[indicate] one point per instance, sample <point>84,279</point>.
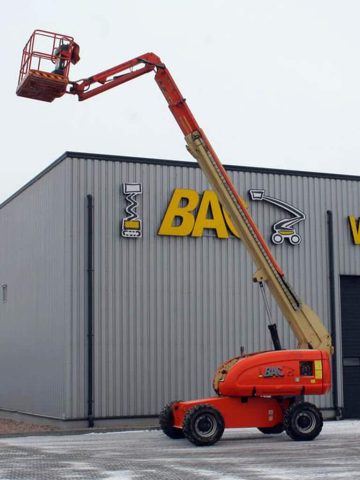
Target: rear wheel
<point>303,421</point>
<point>166,420</point>
<point>279,428</point>
<point>203,425</point>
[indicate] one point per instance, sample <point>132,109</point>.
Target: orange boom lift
<point>262,390</point>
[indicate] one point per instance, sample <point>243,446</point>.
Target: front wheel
<point>203,425</point>
<point>303,421</point>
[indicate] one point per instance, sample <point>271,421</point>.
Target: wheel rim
<point>305,422</point>
<point>295,239</point>
<point>277,238</point>
<point>205,425</point>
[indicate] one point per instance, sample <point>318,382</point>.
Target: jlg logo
<point>189,215</point>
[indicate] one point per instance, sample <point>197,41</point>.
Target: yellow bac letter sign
<point>355,229</point>
<point>189,215</point>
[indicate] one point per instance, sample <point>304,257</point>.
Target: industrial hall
<point>125,284</point>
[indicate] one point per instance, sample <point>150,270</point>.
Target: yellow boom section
<point>304,322</point>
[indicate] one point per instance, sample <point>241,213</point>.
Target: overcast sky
<point>273,83</point>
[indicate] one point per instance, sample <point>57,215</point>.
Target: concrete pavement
<point>241,455</point>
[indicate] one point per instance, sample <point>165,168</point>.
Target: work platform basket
<point>44,70</point>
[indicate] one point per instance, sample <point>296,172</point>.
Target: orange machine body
<point>237,412</point>
<point>279,372</point>
<point>257,389</point>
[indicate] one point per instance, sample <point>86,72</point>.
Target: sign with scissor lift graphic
<point>131,225</point>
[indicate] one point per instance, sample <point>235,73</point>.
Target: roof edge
<point>34,179</point>
<point>173,163</point>
<point>187,163</point>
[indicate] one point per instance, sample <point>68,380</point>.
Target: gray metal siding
<point>169,310</point>
<point>32,322</point>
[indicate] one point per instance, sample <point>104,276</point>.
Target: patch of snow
<point>80,465</point>
<point>121,475</point>
<point>202,473</point>
<point>274,473</point>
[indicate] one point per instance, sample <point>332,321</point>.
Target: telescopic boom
<point>304,322</point>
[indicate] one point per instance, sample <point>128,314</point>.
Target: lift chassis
<point>257,390</point>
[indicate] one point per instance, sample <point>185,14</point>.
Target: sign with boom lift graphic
<point>284,228</point>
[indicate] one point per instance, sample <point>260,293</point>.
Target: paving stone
<point>244,454</point>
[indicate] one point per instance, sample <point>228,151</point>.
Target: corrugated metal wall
<point>169,310</point>
<point>33,320</point>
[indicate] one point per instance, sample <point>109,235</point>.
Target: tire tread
<point>291,428</point>
<point>189,432</point>
<point>166,420</point>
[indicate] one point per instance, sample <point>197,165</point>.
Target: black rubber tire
<point>203,425</point>
<point>276,429</point>
<point>303,421</point>
<point>166,420</point>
